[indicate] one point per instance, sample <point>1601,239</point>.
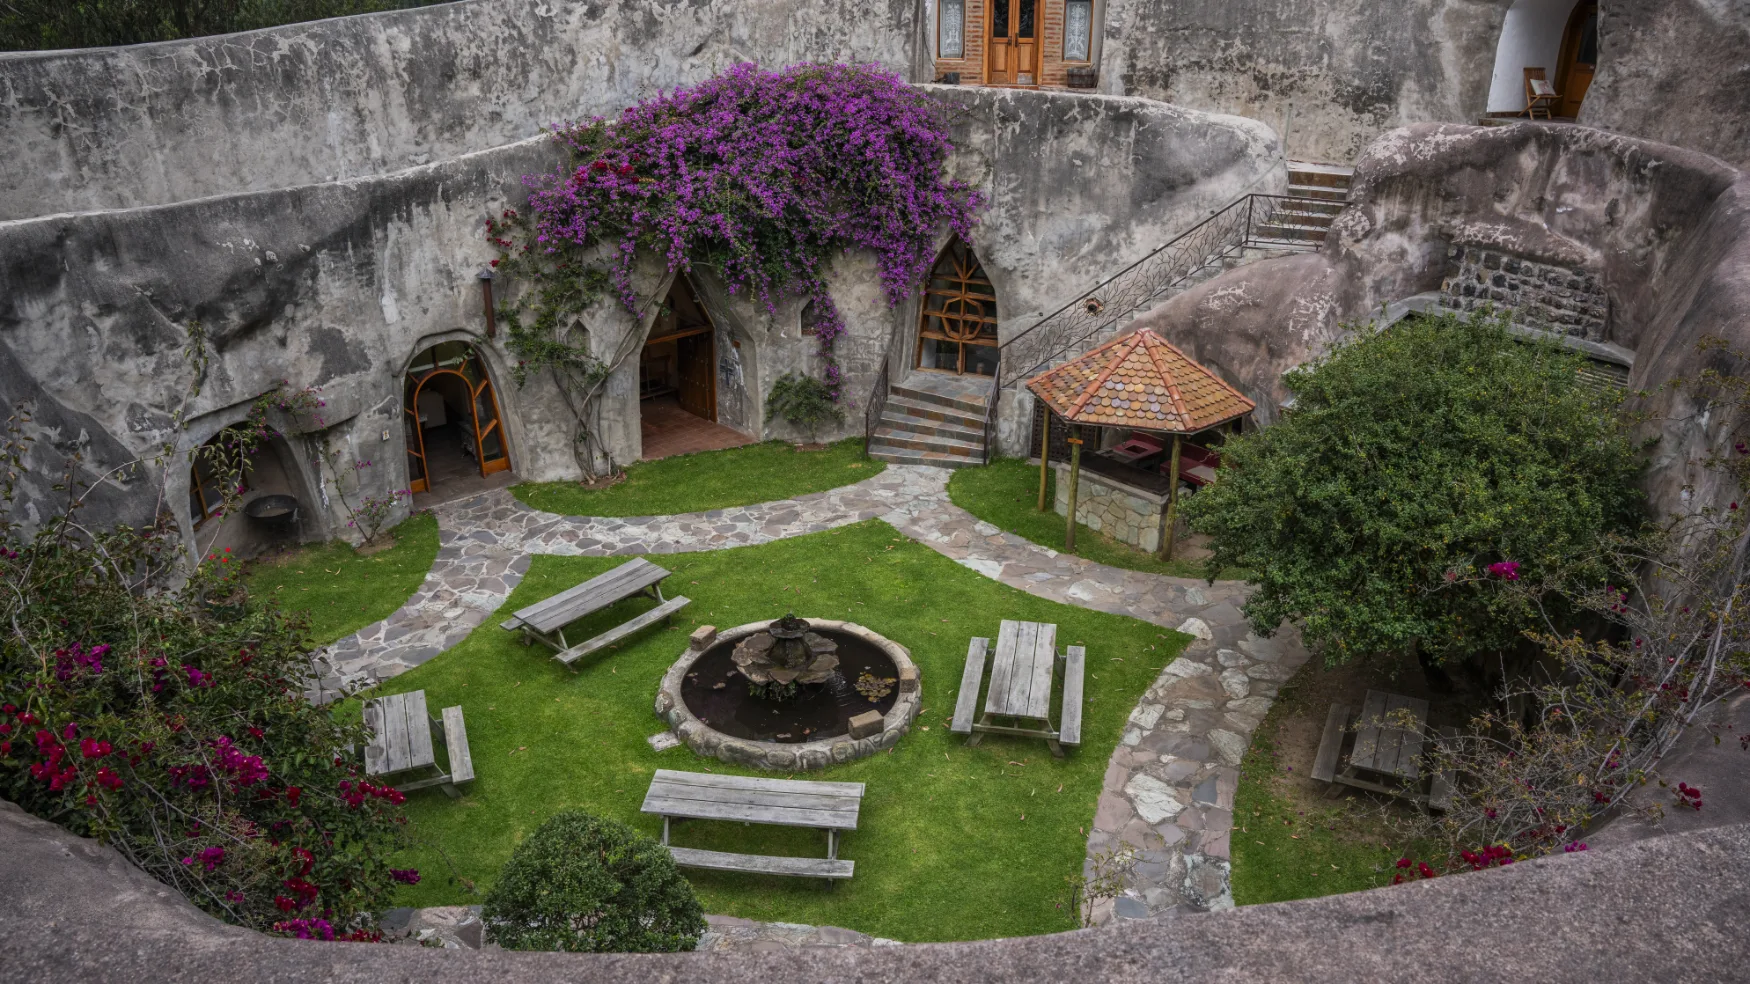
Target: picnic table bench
<point>1020,687</point>
<point>403,742</point>
<point>546,620</point>
<point>1386,749</point>
<point>828,806</point>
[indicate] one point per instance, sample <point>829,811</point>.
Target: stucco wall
<point>1531,37</point>
<point>355,96</point>
<point>1676,71</point>
<point>1351,69</point>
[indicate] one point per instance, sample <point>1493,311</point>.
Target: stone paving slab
<point>458,927</point>
<point>1168,792</point>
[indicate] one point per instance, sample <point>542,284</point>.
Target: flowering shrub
<point>186,743</point>
<point>588,885</point>
<point>803,402</point>
<point>763,176</point>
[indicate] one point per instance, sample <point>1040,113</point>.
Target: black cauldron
<point>274,513</point>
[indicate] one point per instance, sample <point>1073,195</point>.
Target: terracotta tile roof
<point>1143,382</point>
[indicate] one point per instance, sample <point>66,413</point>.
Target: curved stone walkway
<point>1169,787</point>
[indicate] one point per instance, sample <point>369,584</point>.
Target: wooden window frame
<point>961,55</point>
<point>961,276</point>
<point>1063,45</point>
<point>197,494</point>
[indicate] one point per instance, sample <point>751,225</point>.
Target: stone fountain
<point>784,657</point>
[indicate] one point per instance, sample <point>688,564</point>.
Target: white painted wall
<point>1531,36</point>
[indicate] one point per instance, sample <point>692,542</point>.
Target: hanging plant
<point>761,176</point>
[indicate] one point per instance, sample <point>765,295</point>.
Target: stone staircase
<point>933,419</point>
<point>1321,191</point>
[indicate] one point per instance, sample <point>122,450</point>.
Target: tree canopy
<point>44,25</point>
<point>1422,466</point>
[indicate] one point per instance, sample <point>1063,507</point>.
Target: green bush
<point>27,25</point>
<point>588,885</point>
<point>803,401</point>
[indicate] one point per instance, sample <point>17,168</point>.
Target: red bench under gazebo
<point>1141,383</point>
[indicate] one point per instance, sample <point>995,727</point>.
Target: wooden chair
<point>1540,95</point>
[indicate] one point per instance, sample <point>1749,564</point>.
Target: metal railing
<point>876,405</point>
<point>1095,315</point>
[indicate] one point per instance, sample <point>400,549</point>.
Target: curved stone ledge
<point>789,756</point>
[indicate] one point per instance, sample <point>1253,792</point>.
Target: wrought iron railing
<point>1095,315</point>
<point>876,405</point>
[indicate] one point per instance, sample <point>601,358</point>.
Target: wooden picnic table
<point>829,806</point>
<point>1388,733</point>
<point>1020,687</point>
<point>403,741</point>
<point>546,620</point>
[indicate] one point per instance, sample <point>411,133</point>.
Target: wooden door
<point>1579,58</point>
<point>1012,45</point>
<point>698,374</point>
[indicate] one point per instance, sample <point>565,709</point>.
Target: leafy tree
<point>42,25</point>
<point>588,885</point>
<point>130,714</point>
<point>1422,466</point>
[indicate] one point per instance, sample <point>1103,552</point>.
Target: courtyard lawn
<point>1005,493</point>
<point>954,843</point>
<point>709,480</point>
<point>341,591</point>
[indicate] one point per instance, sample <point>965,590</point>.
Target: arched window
<point>215,467</point>
<point>958,329</point>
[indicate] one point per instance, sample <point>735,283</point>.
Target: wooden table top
<point>785,802</point>
<point>1020,675</point>
<point>589,597</point>
<point>1380,745</point>
<point>403,734</point>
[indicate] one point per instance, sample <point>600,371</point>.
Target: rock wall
<point>357,96</point>
<point>1344,70</point>
<point>1675,71</point>
<point>1564,300</point>
<point>1665,232</point>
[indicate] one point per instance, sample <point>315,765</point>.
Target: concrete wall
<point>357,96</point>
<point>1350,69</point>
<point>1665,231</point>
<point>1676,71</point>
<point>1531,37</point>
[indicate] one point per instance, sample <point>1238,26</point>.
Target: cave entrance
<point>677,380</point>
<point>1557,38</point>
<point>455,437</point>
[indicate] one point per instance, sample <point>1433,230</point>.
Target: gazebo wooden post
<point>1170,520</point>
<point>1044,454</point>
<point>1075,478</point>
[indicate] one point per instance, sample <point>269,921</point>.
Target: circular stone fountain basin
<point>707,703</point>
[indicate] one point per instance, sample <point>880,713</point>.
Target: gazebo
<point>1141,383</point>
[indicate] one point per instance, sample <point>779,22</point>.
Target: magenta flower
<point>1506,570</point>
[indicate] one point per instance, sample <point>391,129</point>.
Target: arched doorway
<point>957,328</point>
<point>677,379</point>
<point>451,415</point>
<point>1579,57</point>
<point>1558,37</point>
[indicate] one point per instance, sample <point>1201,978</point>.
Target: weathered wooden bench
<point>828,806</point>
<point>546,620</point>
<point>1384,757</point>
<point>1020,687</point>
<point>403,742</point>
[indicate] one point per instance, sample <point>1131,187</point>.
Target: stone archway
<point>451,420</point>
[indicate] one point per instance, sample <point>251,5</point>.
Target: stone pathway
<point>1168,791</point>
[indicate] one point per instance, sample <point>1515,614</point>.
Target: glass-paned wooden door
<point>1012,51</point>
<point>958,329</point>
<point>456,361</point>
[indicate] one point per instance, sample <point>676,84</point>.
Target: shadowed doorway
<point>677,380</point>
<point>455,437</point>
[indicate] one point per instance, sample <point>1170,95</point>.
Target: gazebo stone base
<point>1126,514</point>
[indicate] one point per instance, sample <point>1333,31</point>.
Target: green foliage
<point>804,402</point>
<point>43,25</point>
<point>1415,457</point>
<point>183,741</point>
<point>587,885</point>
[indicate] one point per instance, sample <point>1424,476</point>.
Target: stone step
<point>906,440</point>
<point>1318,191</point>
<point>1310,173</point>
<point>900,456</point>
<point>1293,232</point>
<point>1312,206</point>
<point>932,413</point>
<point>919,395</point>
<point>929,428</point>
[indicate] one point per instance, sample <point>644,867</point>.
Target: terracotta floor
<point>669,430</point>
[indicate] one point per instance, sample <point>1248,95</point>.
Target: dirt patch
<point>377,546</point>
<point>811,447</point>
<point>605,482</point>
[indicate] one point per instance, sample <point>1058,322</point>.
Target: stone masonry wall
<point>1125,516</point>
<point>1554,297</point>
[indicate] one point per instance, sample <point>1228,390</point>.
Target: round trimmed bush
<point>588,885</point>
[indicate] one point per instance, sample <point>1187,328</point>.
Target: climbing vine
<point>760,176</point>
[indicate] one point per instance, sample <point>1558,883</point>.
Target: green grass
<point>709,480</point>
<point>342,591</point>
<point>1288,846</point>
<point>953,842</point>
<point>1005,493</point>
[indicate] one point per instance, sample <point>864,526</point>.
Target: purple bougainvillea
<point>763,176</point>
